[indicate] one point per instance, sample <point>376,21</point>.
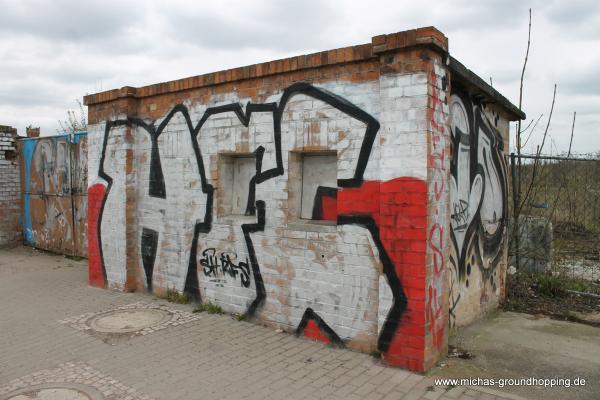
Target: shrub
<point>550,286</point>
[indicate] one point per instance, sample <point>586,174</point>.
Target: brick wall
<point>369,270</point>
<point>10,188</point>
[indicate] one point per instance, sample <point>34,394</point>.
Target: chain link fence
<point>556,215</point>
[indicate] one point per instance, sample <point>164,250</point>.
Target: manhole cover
<point>52,394</point>
<point>126,321</point>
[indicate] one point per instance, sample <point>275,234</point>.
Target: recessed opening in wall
<point>318,191</point>
<point>236,184</point>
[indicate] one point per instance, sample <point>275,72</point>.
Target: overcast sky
<point>53,52</point>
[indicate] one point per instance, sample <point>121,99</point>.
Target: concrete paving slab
<point>511,345</point>
<point>205,357</point>
<point>68,381</point>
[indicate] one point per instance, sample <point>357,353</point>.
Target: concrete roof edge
<point>471,79</point>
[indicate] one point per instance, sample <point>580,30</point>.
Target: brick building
<point>10,193</point>
<point>357,196</point>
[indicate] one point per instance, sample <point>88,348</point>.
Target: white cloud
<point>55,52</point>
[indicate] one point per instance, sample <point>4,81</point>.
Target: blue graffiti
<point>29,146</point>
<point>78,135</point>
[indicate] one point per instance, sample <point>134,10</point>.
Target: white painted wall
<point>335,270</point>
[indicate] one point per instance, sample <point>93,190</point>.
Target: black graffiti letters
<point>226,265</point>
<point>149,243</point>
<point>478,195</point>
<point>222,265</point>
<point>478,178</point>
<point>460,214</point>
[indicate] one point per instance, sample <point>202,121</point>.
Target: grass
<point>556,286</point>
<point>549,285</point>
<point>582,285</point>
<point>209,308</point>
<point>173,296</point>
<point>550,295</point>
<point>240,317</point>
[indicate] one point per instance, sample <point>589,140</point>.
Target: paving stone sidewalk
<point>44,299</point>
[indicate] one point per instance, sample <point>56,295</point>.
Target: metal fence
<point>557,202</point>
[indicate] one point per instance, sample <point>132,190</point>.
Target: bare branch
<point>572,131</point>
<point>537,159</point>
<point>548,124</point>
<point>517,185</point>
<point>521,84</point>
<point>564,181</point>
<point>527,127</point>
<point>74,122</point>
<point>532,130</point>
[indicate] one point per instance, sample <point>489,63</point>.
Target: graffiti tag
<point>460,216</point>
<point>222,265</point>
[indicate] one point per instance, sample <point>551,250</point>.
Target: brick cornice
<point>428,36</point>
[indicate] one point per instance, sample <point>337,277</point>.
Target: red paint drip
<point>96,195</point>
<point>313,331</point>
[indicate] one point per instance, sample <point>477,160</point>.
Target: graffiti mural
<point>54,184</point>
<point>478,203</point>
<point>254,265</point>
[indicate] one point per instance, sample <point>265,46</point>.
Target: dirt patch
<point>552,296</point>
<point>457,352</point>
